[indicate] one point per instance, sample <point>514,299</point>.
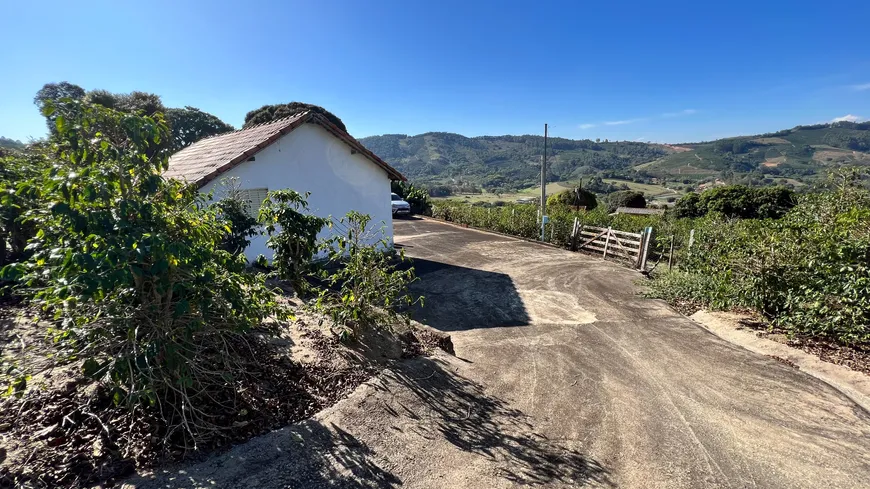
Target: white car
<point>400,207</point>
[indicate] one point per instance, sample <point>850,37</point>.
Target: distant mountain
<point>803,151</point>
<point>10,143</point>
<point>513,162</point>
<point>504,161</point>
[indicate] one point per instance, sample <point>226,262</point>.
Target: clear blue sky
<point>620,70</point>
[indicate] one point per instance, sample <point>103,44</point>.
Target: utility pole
<point>544,188</point>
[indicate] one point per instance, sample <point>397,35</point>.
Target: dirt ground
<point>563,377</point>
<point>63,432</point>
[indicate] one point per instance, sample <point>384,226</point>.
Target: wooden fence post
<point>671,254</point>
<point>691,238</point>
<point>640,249</point>
<point>607,242</point>
<point>649,235</point>
<point>574,232</point>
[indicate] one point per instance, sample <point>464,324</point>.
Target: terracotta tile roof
<point>205,160</point>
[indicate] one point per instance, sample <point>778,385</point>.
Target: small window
<point>254,197</point>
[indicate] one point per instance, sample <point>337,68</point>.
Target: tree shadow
<point>309,454</point>
<point>422,396</point>
<point>458,409</point>
<point>460,298</point>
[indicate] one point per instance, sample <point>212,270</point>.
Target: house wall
<point>310,159</point>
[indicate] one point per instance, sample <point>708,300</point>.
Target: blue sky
<point>658,71</point>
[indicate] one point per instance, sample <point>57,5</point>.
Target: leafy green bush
<point>129,269</point>
<point>367,287</point>
<point>737,201</point>
<point>625,198</point>
<point>417,197</point>
<point>235,213</point>
<point>15,169</point>
<point>292,234</point>
<point>808,272</point>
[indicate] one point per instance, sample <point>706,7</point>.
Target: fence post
<point>640,249</point>
<point>671,254</point>
<point>691,238</point>
<point>649,235</point>
<point>574,232</point>
<point>607,242</point>
<point>552,231</point>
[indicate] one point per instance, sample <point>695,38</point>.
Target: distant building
<point>640,211</point>
<point>304,152</point>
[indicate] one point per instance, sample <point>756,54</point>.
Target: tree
<point>625,198</point>
<point>269,113</point>
<point>53,93</point>
<point>127,266</point>
<point>147,103</point>
<point>577,197</point>
<point>688,206</point>
<point>190,124</point>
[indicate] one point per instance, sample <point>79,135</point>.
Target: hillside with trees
<point>502,164</point>
<point>10,143</point>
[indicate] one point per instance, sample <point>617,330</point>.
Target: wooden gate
<point>632,248</point>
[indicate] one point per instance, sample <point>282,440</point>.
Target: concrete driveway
<point>564,377</point>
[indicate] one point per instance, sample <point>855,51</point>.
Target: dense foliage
<point>367,285</point>
<point>625,198</point>
<point>187,125</point>
<point>808,272</point>
<point>235,213</point>
<point>269,113</point>
<point>737,201</point>
<point>128,267</point>
<point>292,234</point>
<point>577,197</point>
<point>416,196</point>
<point>17,168</point>
<point>190,124</point>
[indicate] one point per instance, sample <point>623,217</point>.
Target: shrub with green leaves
<point>235,212</point>
<point>808,272</point>
<point>366,289</point>
<point>417,197</point>
<point>17,167</point>
<point>129,269</point>
<point>292,234</point>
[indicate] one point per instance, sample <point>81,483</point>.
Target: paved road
<point>564,376</point>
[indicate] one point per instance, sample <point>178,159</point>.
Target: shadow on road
<point>458,410</point>
<point>444,411</point>
<point>460,298</point>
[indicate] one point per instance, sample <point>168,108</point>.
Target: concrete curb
<point>852,384</point>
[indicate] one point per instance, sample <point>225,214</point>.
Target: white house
<point>304,152</point>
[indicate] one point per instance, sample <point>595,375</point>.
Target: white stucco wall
<point>310,159</point>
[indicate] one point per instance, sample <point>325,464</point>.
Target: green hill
<point>504,162</point>
<point>509,163</point>
<point>801,152</point>
<point>10,143</point>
